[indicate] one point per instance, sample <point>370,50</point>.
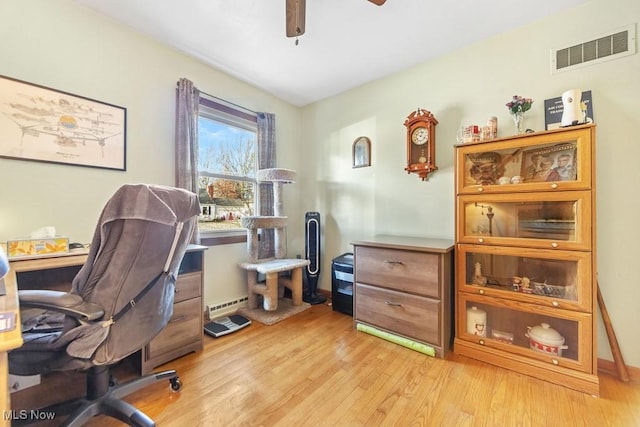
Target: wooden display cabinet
<point>525,254</point>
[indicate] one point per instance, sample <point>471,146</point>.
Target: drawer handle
<point>554,245</point>
<point>481,342</point>
<point>554,185</point>
<point>393,262</point>
<point>555,304</point>
<point>480,189</point>
<point>394,304</point>
<point>480,240</point>
<point>178,319</point>
<point>555,361</point>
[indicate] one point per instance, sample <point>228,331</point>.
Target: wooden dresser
<point>184,332</point>
<point>403,285</point>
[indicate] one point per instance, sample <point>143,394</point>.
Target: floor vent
<point>614,45</point>
<point>220,309</point>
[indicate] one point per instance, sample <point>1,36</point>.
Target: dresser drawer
<point>183,329</point>
<point>406,271</point>
<point>188,286</point>
<point>411,315</point>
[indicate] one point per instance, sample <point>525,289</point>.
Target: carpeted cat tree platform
<point>272,290</point>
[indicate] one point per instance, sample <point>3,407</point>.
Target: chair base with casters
<point>103,397</point>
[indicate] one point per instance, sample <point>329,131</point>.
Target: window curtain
<point>186,168</point>
<point>266,159</point>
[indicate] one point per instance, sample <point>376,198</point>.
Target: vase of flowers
<point>517,107</point>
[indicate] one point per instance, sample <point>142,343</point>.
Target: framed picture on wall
<point>361,151</point>
<point>46,125</point>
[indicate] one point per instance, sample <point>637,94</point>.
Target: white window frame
<point>232,115</point>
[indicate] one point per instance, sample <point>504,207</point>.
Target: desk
<point>8,341</point>
<point>9,303</point>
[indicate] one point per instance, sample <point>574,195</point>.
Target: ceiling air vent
<point>615,45</point>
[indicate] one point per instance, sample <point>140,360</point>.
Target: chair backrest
<point>4,263</point>
<point>143,230</point>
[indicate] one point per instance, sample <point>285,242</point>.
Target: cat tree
<point>273,288</point>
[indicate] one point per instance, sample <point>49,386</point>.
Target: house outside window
<point>227,138</point>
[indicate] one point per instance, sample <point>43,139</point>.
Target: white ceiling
<point>347,42</point>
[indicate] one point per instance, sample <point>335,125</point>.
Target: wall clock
<point>421,143</point>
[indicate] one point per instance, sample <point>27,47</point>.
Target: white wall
<point>465,87</point>
<point>64,46</point>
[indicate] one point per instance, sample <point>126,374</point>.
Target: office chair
<point>4,263</point>
<point>120,299</point>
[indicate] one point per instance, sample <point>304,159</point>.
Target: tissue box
<point>30,247</point>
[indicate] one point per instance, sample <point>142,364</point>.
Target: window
<point>227,165</point>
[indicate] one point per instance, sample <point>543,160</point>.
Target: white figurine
<point>478,278</point>
<point>572,109</point>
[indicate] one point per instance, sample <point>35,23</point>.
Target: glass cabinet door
<point>541,220</point>
<point>550,161</point>
<point>551,335</point>
<point>553,278</point>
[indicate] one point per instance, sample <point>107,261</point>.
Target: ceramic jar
<point>545,339</point>
<point>476,322</point>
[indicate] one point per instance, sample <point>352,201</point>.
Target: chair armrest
<point>62,302</point>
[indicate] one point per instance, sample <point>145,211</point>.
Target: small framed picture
<point>553,163</point>
<point>361,151</point>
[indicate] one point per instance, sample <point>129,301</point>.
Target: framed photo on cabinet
<point>554,163</point>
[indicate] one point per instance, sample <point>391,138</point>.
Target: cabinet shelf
<point>541,220</point>
<point>506,319</point>
<point>555,278</point>
<point>516,164</point>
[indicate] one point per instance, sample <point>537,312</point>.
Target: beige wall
<point>63,46</point>
<point>465,87</point>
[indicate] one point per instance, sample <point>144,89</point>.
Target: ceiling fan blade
<point>378,2</point>
<point>295,17</point>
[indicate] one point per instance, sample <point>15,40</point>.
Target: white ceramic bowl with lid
<point>545,339</point>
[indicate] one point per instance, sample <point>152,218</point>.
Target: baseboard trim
<point>609,367</point>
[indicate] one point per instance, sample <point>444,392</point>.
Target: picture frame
<point>361,152</point>
<point>553,110</point>
<point>552,163</point>
<point>42,124</point>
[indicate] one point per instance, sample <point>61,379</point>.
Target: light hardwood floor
<point>315,370</point>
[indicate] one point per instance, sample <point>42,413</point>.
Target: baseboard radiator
<point>223,308</point>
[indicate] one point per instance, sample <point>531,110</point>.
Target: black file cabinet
<point>342,283</point>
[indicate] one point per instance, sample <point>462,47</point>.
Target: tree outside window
<point>227,164</point>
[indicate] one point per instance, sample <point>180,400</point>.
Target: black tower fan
<point>312,253</point>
